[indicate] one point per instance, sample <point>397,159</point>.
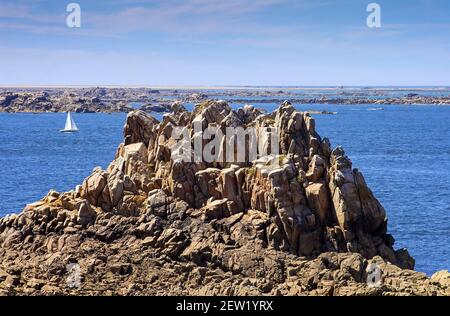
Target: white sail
<point>70,124</point>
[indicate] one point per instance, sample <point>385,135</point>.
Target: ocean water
<point>36,157</point>
<point>403,152</point>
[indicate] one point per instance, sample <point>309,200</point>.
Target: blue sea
<point>403,151</point>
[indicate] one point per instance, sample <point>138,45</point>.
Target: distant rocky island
<point>151,224</point>
<point>107,100</point>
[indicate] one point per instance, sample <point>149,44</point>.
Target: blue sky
<point>225,42</point>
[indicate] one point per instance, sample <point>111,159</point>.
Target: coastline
<point>108,100</point>
<point>223,87</point>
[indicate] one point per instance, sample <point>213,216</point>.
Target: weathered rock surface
<point>36,102</point>
<point>300,221</point>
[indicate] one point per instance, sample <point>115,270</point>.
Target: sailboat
<point>70,125</point>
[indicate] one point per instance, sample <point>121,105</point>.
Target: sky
<point>225,42</point>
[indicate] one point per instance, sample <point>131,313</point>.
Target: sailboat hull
<point>69,131</point>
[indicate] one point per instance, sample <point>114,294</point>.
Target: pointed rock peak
<point>177,107</point>
<point>286,106</point>
<point>211,105</point>
<point>139,127</point>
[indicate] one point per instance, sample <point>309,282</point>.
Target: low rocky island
<point>107,100</point>
<point>151,224</point>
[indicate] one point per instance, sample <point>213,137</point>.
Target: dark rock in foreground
<point>153,225</point>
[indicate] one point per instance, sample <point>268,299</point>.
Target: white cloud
<point>11,10</point>
<point>183,17</point>
<point>169,16</point>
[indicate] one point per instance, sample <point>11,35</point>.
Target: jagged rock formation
<point>293,222</point>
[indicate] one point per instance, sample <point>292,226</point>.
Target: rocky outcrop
<point>294,221</point>
<point>195,97</point>
<point>411,99</point>
<point>37,102</point>
<point>107,100</point>
<point>167,107</point>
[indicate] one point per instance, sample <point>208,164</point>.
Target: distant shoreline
<point>229,87</point>
<point>102,99</point>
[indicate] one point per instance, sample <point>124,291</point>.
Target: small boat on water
<point>70,125</point>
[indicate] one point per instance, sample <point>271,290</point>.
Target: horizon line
<point>220,87</point>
